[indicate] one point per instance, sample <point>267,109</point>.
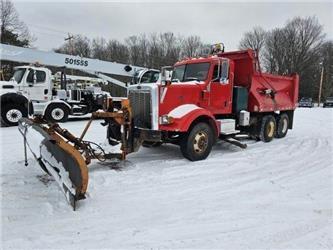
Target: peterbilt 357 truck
<point>217,97</point>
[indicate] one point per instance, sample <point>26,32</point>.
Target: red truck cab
<point>217,97</point>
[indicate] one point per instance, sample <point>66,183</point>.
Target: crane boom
<point>26,55</point>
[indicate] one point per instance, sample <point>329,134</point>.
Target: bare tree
<point>153,50</point>
<point>296,48</point>
<point>191,46</point>
<point>13,31</point>
<point>132,43</point>
<point>98,49</point>
<point>117,51</point>
<point>254,39</point>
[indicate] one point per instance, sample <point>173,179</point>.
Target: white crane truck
<point>32,90</point>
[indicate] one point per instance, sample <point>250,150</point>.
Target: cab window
<point>40,76</point>
<point>18,74</point>
<point>150,77</point>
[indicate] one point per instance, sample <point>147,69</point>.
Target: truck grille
<point>140,101</point>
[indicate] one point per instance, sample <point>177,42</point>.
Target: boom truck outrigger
<point>206,99</point>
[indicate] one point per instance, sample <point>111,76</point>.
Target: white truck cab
<point>31,90</point>
<point>27,83</point>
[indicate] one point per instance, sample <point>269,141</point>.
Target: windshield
<point>18,74</point>
<point>306,99</point>
<point>190,72</point>
<point>329,99</point>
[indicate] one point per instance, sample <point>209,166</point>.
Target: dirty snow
<point>268,196</point>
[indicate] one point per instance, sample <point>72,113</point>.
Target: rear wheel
<point>197,144</point>
<point>267,128</point>
<point>57,113</point>
<point>282,123</point>
<point>11,114</point>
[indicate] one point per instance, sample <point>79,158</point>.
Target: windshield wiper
<point>192,79</point>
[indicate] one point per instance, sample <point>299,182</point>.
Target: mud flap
<point>57,158</point>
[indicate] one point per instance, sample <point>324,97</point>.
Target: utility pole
<point>321,82</point>
<point>69,38</point>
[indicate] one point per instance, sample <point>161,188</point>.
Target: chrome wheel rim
<point>57,114</point>
<point>270,129</point>
<point>14,115</point>
<point>200,142</point>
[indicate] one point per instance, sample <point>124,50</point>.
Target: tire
<point>282,123</point>
<point>267,128</point>
<point>11,114</point>
<point>197,143</point>
<point>56,112</point>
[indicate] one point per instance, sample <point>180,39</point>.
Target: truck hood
<point>2,83</point>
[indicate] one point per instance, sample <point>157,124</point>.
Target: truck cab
<point>217,97</point>
<point>204,82</point>
<point>34,82</point>
<point>27,83</point>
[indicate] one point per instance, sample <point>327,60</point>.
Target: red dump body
<point>247,74</point>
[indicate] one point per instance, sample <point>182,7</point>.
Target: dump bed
<point>266,92</point>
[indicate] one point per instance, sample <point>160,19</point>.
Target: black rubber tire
<point>282,123</point>
<point>6,108</point>
<point>267,128</point>
<point>48,113</point>
<point>187,143</point>
<point>149,144</point>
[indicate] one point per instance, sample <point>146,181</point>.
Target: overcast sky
<point>213,22</point>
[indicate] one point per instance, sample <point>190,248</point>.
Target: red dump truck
<point>218,97</point>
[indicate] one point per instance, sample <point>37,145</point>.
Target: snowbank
<point>275,195</point>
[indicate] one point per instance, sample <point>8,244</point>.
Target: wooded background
<point>299,46</point>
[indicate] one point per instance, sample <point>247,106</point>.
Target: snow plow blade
<point>66,157</point>
<point>57,158</point>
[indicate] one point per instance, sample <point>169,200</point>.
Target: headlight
<point>165,119</point>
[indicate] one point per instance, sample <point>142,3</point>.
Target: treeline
<point>146,50</point>
<point>299,46</point>
<point>12,30</point>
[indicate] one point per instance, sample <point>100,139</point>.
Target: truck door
<point>221,88</point>
<point>38,85</point>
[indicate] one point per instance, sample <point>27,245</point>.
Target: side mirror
<point>166,73</point>
<point>224,72</point>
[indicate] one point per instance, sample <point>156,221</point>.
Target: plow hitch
<point>66,157</point>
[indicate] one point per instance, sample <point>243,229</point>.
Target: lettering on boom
<point>78,62</point>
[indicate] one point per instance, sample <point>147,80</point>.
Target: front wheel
<point>57,113</point>
<point>11,114</point>
<point>197,143</point>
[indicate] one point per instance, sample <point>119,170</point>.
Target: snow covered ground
<point>268,196</point>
